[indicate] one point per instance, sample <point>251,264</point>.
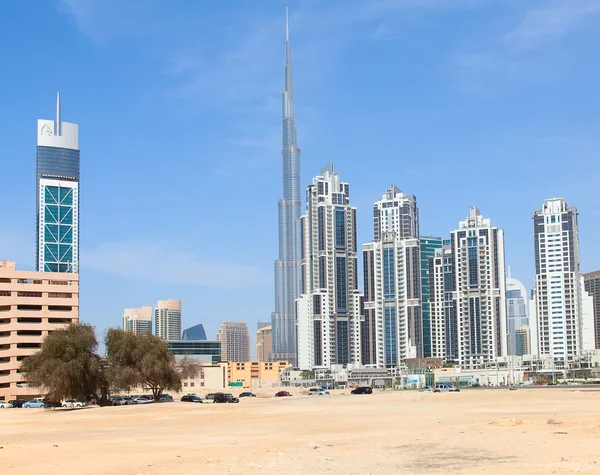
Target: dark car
<point>191,398</point>
<point>52,404</point>
<point>362,390</point>
<point>247,395</point>
<point>17,402</point>
<point>224,398</point>
<point>282,394</point>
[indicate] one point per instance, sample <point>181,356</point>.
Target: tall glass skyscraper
<point>288,266</point>
<point>57,192</point>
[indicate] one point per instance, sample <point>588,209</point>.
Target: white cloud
<point>163,262</point>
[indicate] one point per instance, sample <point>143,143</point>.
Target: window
<point>29,308</point>
<point>29,294</point>
<point>59,295</point>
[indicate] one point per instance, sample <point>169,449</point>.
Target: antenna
<point>287,25</point>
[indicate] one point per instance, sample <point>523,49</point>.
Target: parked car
<point>165,398</point>
<point>210,396</point>
<point>52,404</point>
<point>5,405</point>
<point>431,389</point>
<point>224,398</point>
<point>362,390</point>
<point>117,401</point>
<point>445,388</point>
<point>191,398</point>
<point>17,402</point>
<point>247,395</point>
<point>143,400</point>
<point>36,402</point>
<point>282,394</point>
<point>73,403</point>
<point>317,392</point>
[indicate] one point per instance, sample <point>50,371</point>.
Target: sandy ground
<point>532,431</point>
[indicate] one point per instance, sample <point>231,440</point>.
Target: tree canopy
<point>67,366</point>
<point>140,361</point>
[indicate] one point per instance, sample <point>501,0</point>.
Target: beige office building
<point>32,305</point>
<point>137,320</point>
<point>235,341</point>
<point>264,342</point>
<point>167,319</point>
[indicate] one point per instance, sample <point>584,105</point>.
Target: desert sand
<point>532,431</point>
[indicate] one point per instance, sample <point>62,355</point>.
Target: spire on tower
<point>57,130</point>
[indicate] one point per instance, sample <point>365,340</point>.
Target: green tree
<point>67,366</point>
<point>140,361</point>
<point>188,368</point>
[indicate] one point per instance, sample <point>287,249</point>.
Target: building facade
<point>256,374</point>
<point>137,320</point>
<point>32,305</point>
<point>264,342</point>
<point>288,266</point>
<point>522,341</point>
<point>428,246</point>
<point>475,320</point>
<point>558,292</point>
<point>167,319</point>
<point>194,333</point>
<point>393,274</point>
<point>207,351</point>
<point>235,340</point>
<point>57,195</point>
<point>592,286</point>
<point>517,307</point>
<point>330,306</point>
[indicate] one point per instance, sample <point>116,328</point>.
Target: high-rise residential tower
<point>478,290</point>
<point>235,341</point>
<point>137,320</point>
<point>517,306</point>
<point>392,329</point>
<point>288,265</point>
<point>57,192</point>
<point>558,292</point>
<point>264,342</point>
<point>167,319</point>
<point>592,286</point>
<point>330,306</point>
<point>429,245</point>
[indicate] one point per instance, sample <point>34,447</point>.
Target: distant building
<point>256,374</point>
<point>32,305</point>
<point>194,333</point>
<point>264,342</point>
<point>522,341</point>
<point>592,286</point>
<point>558,287</point>
<point>235,340</point>
<point>57,192</point>
<point>206,351</point>
<point>517,307</point>
<point>167,319</point>
<point>137,320</point>
<point>330,307</point>
<point>428,247</point>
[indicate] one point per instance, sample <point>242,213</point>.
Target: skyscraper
<point>235,341</point>
<point>592,286</point>
<point>167,319</point>
<point>330,306</point>
<point>517,307</point>
<point>287,266</point>
<point>57,195</point>
<point>195,333</point>
<point>477,286</point>
<point>392,327</point>
<point>137,320</point>
<point>558,292</point>
<point>429,245</point>
<point>264,342</point>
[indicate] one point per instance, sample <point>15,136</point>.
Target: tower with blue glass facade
<point>392,329</point>
<point>330,308</point>
<point>57,190</point>
<point>288,265</point>
<point>429,245</point>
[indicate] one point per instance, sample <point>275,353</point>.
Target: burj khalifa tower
<point>288,266</point>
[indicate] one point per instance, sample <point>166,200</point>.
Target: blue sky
<point>462,102</point>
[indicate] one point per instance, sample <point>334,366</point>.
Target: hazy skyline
<point>460,102</point>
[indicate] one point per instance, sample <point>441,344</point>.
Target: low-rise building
<point>207,351</point>
<point>32,305</point>
<point>256,374</point>
<point>210,377</point>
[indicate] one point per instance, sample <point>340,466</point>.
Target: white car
<point>317,392</point>
<point>142,400</point>
<point>72,403</point>
<point>5,405</point>
<point>446,388</point>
